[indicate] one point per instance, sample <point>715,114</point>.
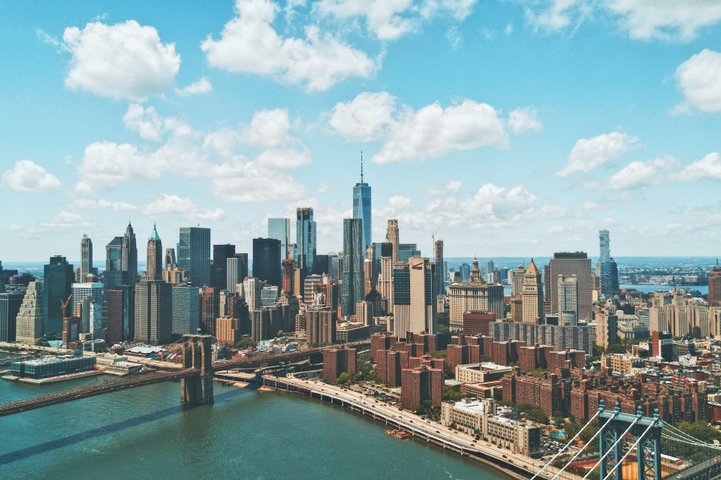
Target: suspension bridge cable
<point>612,447</point>
<point>629,451</point>
<point>567,445</point>
<point>584,447</point>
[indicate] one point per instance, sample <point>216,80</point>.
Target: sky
<point>504,127</point>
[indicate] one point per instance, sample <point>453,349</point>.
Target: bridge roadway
<point>85,391</point>
<point>513,464</point>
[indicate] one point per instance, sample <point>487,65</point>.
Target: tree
<point>246,342</point>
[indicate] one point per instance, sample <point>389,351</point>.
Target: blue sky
<point>511,128</point>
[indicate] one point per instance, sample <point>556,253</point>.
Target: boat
<point>398,433</point>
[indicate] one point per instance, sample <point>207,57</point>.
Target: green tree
<point>246,342</point>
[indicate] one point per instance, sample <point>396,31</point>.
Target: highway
<point>411,422</point>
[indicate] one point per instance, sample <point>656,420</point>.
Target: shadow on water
<point>100,431</point>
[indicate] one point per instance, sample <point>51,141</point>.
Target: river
<point>143,433</point>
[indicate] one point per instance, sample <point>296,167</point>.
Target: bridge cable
<point>629,451</point>
<point>567,445</point>
<point>584,447</point>
<point>612,447</point>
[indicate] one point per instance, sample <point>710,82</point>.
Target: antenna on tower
<point>361,167</point>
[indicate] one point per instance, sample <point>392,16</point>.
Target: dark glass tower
<point>113,274</point>
<point>86,258</point>
<point>129,257</point>
<point>305,240</point>
<point>194,254</point>
<point>221,254</point>
<point>58,279</point>
<point>266,260</point>
<point>362,206</point>
<point>352,287</point>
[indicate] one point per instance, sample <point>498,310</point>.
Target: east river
<point>248,434</point>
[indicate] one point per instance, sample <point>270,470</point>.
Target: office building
<point>119,313</point>
<point>287,271</point>
<point>155,256</point>
<point>474,295</point>
<point>89,301</point>
<point>219,267</point>
<point>153,312</point>
<point>58,278</point>
<point>279,229</point>
<point>532,296</point>
<point>392,236</point>
<point>10,302</point>
<point>440,275</point>
<point>414,308</point>
<point>714,286</point>
<point>362,207</point>
<point>305,242</point>
<point>86,258</point>
<point>266,260</point>
<point>568,298</point>
<point>569,264</point>
<point>352,286</point>
<point>186,309</point>
<point>194,254</point>
<point>606,328</point>
<point>385,278</point>
<point>29,320</point>
<point>236,271</point>
<point>209,309</point>
<point>252,288</point>
<point>129,256</point>
<point>113,274</point>
<point>606,268</point>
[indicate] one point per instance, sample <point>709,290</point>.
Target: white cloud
<point>522,120</point>
<point>454,185</point>
<point>283,158</point>
<point>28,176</point>
<point>709,167</point>
<point>391,19</point>
<point>699,79</point>
<point>667,20</point>
<point>268,128</point>
<point>366,118</point>
<point>146,122</point>
<point>174,205</point>
<point>250,44</point>
<point>105,164</point>
<point>123,61</point>
<point>641,174</point>
<point>591,153</point>
<point>251,183</point>
<point>105,204</point>
<point>202,85</point>
<point>67,220</point>
<point>554,15</point>
<point>434,131</point>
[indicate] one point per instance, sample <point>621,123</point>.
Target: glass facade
<point>362,209</point>
<point>279,228</point>
<point>305,240</point>
<point>353,256</point>
<point>52,366</point>
<point>194,254</point>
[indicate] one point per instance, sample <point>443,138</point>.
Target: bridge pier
<point>197,354</point>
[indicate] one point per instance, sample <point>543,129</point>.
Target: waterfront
<point>143,433</point>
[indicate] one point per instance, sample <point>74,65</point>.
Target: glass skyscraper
<point>305,240</point>
<point>266,260</point>
<point>58,280</point>
<point>279,228</point>
<point>353,256</point>
<point>606,267</point>
<point>362,206</point>
<point>194,254</point>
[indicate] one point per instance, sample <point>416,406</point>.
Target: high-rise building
<point>10,302</point>
<point>406,251</point>
<point>251,289</point>
<point>194,254</point>
<point>352,287</point>
<point>57,282</point>
<point>362,207</point>
<point>155,256</point>
<point>440,276</point>
<point>532,296</point>
<point>219,271</point>
<point>287,267</point>
<point>714,286</point>
<point>86,258</point>
<point>337,361</point>
<point>113,274</point>
<point>209,309</point>
<point>474,295</point>
<point>119,313</point>
<point>237,270</point>
<point>320,325</point>
<point>606,329</point>
<point>279,228</point>
<point>129,256</point>
<point>266,260</point>
<point>29,320</point>
<point>567,296</point>
<point>385,279</point>
<point>392,236</point>
<point>414,308</point>
<point>153,312</point>
<point>170,261</point>
<point>606,268</point>
<point>569,264</point>
<point>186,309</point>
<point>89,300</point>
<point>305,240</point>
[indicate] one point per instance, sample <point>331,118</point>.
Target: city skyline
<point>534,127</point>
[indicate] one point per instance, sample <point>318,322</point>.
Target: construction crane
<point>64,305</point>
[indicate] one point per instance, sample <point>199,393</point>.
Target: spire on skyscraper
<point>361,167</point>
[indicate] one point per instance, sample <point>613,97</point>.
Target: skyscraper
<point>568,264</point>
<point>414,309</point>
<point>714,286</point>
<point>251,289</point>
<point>385,279</point>
<point>120,313</point>
<point>194,254</point>
<point>532,296</point>
<point>153,312</point>
<point>352,287</point>
<point>567,296</point>
<point>219,275</point>
<point>10,302</point>
<point>129,256</point>
<point>279,228</point>
<point>305,240</point>
<point>155,256</point>
<point>440,275</point>
<point>186,309</point>
<point>237,270</point>
<point>362,206</point>
<point>607,269</point>
<point>266,260</point>
<point>392,237</point>
<point>29,323</point>
<point>57,282</point>
<point>86,258</point>
<point>113,274</point>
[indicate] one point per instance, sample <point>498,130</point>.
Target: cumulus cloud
<point>283,158</point>
<point>367,117</point>
<point>202,85</point>
<point>250,44</point>
<point>641,174</point>
<point>522,120</point>
<point>67,220</point>
<point>125,61</point>
<point>96,203</point>
<point>699,79</point>
<point>554,15</point>
<point>28,176</point>
<point>591,153</point>
<point>252,183</point>
<point>709,167</point>
<point>434,131</point>
<point>268,128</point>
<point>146,122</point>
<point>667,20</point>
<point>166,204</point>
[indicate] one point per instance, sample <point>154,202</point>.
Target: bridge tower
<point>198,355</point>
<point>646,431</point>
